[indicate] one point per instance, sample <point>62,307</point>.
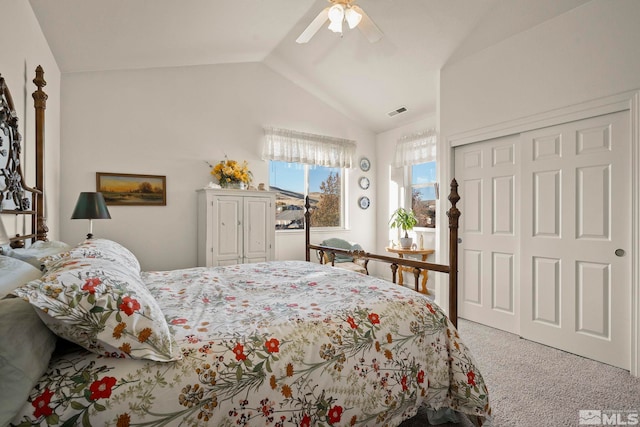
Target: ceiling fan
<point>338,12</point>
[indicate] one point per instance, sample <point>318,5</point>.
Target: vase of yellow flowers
<point>232,174</point>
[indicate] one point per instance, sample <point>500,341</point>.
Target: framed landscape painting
<point>132,189</point>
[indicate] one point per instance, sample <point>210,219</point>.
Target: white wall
<point>589,52</point>
<point>389,184</point>
<point>168,121</point>
<point>23,48</point>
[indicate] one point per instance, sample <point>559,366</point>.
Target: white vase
<point>234,185</point>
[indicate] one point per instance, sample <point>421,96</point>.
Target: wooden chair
<point>341,260</point>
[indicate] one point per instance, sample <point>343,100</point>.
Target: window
<point>294,181</point>
<point>424,191</point>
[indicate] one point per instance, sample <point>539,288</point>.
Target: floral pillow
<point>98,248</point>
<point>102,307</point>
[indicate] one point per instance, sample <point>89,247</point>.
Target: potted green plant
<point>404,220</point>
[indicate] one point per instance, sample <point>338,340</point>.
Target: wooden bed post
<point>38,221</point>
<point>307,227</point>
<point>454,214</point>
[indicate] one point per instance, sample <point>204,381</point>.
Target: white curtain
<point>416,148</point>
<point>299,147</point>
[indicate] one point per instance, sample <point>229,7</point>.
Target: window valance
<point>417,148</point>
<point>299,147</point>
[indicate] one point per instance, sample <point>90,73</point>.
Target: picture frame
<point>365,164</point>
<point>364,202</point>
<point>364,182</point>
<point>127,189</point>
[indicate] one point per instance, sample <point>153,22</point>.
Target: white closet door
<point>576,237</point>
<point>488,290</point>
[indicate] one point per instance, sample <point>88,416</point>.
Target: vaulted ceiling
<point>363,80</point>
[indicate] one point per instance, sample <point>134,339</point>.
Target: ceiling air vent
<point>397,111</point>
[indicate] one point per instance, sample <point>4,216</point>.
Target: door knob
<point>619,252</point>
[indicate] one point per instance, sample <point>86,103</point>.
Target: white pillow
<point>38,250</point>
<point>15,273</point>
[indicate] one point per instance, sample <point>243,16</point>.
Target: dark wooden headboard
<point>16,197</point>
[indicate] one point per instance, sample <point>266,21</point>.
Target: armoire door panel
<point>228,214</point>
<point>256,238</point>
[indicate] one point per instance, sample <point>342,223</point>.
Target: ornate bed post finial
<point>39,78</point>
<point>39,96</point>
<point>454,198</point>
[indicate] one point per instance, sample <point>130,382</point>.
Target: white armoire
<point>235,226</point>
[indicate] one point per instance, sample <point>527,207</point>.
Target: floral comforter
<point>272,344</point>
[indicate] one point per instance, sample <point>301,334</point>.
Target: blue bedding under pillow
<point>26,345</point>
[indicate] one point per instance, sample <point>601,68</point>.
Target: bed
<point>93,340</point>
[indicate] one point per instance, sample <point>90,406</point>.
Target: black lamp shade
<point>91,206</point>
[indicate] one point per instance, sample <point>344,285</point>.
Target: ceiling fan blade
<point>367,26</point>
<point>315,25</point>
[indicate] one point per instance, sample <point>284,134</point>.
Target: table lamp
<point>91,206</point>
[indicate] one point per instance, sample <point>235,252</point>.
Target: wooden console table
<point>424,253</point>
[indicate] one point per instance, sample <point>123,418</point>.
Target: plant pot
<point>233,185</point>
<point>406,242</point>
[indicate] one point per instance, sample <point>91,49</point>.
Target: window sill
<point>313,230</point>
<point>424,229</point>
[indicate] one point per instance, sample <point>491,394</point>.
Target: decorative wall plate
<point>364,183</point>
<point>365,164</point>
<point>364,202</point>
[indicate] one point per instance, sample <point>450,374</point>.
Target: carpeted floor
<point>534,385</point>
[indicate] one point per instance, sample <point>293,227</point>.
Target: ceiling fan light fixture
<point>353,18</point>
<point>335,26</point>
<point>336,16</point>
<point>338,12</point>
